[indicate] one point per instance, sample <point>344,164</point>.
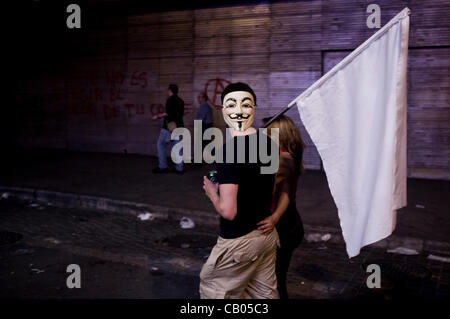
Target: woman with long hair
<point>285,216</point>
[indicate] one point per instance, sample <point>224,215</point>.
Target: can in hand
<point>212,176</point>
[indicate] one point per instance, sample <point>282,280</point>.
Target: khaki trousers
<point>242,267</point>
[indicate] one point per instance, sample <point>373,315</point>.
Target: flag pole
<point>287,108</point>
<point>403,14</point>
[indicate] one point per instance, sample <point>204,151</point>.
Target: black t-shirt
<point>254,195</point>
<point>174,110</point>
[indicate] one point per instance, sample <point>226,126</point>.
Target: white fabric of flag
<point>356,117</point>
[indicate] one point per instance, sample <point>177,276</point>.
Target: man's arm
<point>223,197</point>
<point>159,115</point>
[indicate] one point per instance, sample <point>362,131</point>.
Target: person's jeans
<point>163,140</point>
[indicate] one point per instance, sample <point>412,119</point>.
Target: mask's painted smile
<point>239,116</point>
<point>239,119</point>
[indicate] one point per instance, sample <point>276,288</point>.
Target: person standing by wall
<point>285,216</point>
<point>172,118</point>
<point>204,114</point>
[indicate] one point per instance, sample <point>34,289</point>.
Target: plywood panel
<point>248,27</point>
<point>148,18</point>
<point>288,8</point>
<point>429,138</point>
<point>179,65</point>
<point>213,65</point>
<point>282,97</point>
<point>297,61</point>
<point>143,50</point>
<point>175,31</point>
<point>251,63</point>
<point>176,16</point>
<point>259,82</point>
<point>214,46</point>
<point>247,45</point>
<point>232,12</point>
<point>293,80</point>
<point>117,71</point>
<point>179,48</point>
<point>143,33</point>
<point>213,28</point>
<point>288,42</point>
<point>344,24</point>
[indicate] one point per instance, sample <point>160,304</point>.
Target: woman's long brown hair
<point>290,139</point>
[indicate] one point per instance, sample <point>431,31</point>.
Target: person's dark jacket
<point>174,110</point>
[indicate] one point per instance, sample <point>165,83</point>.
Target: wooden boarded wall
<point>116,72</point>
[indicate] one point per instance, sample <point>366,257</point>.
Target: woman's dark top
<point>290,226</point>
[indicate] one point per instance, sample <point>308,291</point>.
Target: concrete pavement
<point>119,183</point>
<point>121,256</point>
<point>128,179</point>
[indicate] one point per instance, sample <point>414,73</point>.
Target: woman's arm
<point>267,224</point>
<point>223,197</point>
<point>283,203</point>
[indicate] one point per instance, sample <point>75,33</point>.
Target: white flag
<point>356,117</point>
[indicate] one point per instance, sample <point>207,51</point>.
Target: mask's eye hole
<point>247,105</point>
<point>230,105</point>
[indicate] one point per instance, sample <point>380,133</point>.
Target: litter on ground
<point>5,196</point>
<point>439,258</point>
<point>316,237</point>
<point>36,270</point>
<point>146,216</point>
<point>403,251</point>
<point>186,223</point>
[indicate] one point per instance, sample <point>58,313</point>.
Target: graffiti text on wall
<point>112,100</point>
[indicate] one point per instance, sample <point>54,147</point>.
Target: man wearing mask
<point>172,118</point>
<point>242,263</point>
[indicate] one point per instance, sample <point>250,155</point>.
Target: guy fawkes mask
<point>238,110</point>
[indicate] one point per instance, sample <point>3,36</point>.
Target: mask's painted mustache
<point>239,116</point>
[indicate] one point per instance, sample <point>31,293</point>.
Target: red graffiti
<point>115,94</point>
<point>219,85</point>
<point>115,77</point>
<point>139,79</point>
<point>83,101</point>
<point>111,112</point>
<point>135,109</point>
<point>156,108</point>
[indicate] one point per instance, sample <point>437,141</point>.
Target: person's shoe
<point>158,170</point>
<point>179,172</point>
